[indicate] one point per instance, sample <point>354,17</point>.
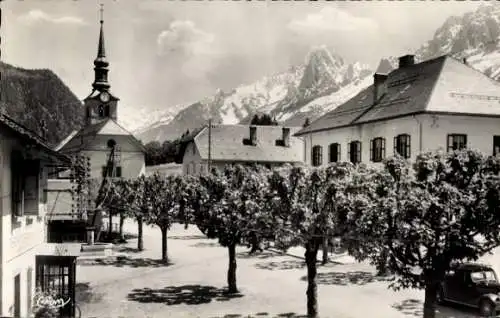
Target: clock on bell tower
<point>101,104</point>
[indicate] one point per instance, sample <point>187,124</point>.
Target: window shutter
<point>408,146</point>
<point>395,145</point>
<point>338,152</point>
<point>320,159</point>
<point>359,151</point>
<point>465,141</point>
<point>383,149</point>
<point>449,144</point>
<point>349,145</point>
<point>372,148</point>
<point>118,172</point>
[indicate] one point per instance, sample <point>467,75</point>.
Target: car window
<point>487,275</point>
<point>477,276</point>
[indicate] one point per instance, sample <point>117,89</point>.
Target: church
<point>102,132</point>
<point>112,152</point>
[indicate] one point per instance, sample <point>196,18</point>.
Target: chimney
<point>253,135</point>
<point>406,60</point>
<point>379,86</point>
<point>286,137</point>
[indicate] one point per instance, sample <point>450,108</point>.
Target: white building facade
<point>24,165</point>
<point>441,104</point>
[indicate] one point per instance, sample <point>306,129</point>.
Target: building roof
<point>440,85</point>
<point>31,138</point>
<point>227,144</point>
<point>79,140</point>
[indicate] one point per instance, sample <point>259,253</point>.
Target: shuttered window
<point>402,145</point>
<point>317,156</point>
<point>334,152</point>
<point>377,149</point>
<point>354,151</point>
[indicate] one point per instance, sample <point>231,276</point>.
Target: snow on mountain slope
<point>281,95</point>
<point>473,37</point>
<point>325,80</point>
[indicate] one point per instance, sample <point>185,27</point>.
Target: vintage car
<point>473,285</point>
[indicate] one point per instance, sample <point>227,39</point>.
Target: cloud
<point>194,49</point>
<point>332,19</point>
<point>36,16</point>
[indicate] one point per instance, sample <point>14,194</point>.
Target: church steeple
<point>100,63</point>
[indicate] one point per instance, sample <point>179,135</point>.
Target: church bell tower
<point>100,105</point>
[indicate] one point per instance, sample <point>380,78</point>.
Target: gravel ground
<point>271,285</point>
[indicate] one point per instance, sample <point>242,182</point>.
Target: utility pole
<point>210,145</point>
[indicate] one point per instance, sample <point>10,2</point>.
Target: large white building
<point>438,104</point>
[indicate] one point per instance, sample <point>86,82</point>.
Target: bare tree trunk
<point>122,221</point>
<point>311,255</point>
<point>431,289</point>
<point>231,272</point>
<point>110,229</point>
<point>140,243</point>
<point>325,250</point>
<point>164,254</point>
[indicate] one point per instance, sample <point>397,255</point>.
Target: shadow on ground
<point>122,261</point>
<point>347,278</point>
<point>126,249</point>
<point>281,265</point>
<point>187,237</point>
<point>206,244</point>
<point>84,294</point>
<point>259,255</point>
<point>177,295</point>
<point>263,315</point>
<point>415,308</point>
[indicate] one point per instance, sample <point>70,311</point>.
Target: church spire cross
<point>100,63</point>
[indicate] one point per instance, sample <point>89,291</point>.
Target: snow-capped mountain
<point>325,81</point>
<point>473,37</point>
<point>286,96</point>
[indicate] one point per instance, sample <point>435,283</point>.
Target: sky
<point>164,53</point>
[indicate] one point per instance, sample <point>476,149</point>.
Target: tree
<point>304,204</point>
<point>163,196</point>
<point>116,203</point>
<point>137,203</point>
<point>264,120</point>
<point>423,218</point>
<point>154,152</point>
<point>223,205</point>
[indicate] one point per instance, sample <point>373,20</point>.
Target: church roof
<point>440,85</point>
<point>80,140</point>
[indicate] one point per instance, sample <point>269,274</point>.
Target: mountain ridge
<point>281,95</point>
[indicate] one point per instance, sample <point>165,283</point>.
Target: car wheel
<point>486,308</point>
<point>440,296</point>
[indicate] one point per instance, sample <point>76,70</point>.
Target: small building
<point>240,144</point>
<point>438,104</point>
<point>25,160</point>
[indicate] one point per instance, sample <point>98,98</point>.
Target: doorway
<point>17,296</point>
<point>58,273</point>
